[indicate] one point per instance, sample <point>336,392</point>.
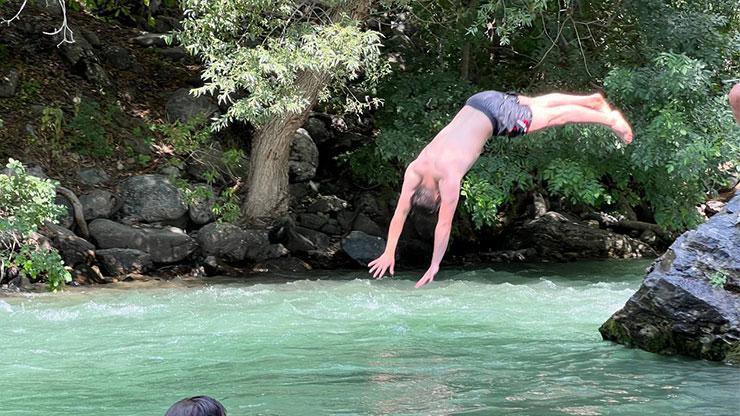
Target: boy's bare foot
<point>621,127</point>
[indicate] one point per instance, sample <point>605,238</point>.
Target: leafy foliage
<point>661,62</point>
<point>88,129</point>
<point>718,279</point>
<point>254,51</point>
<point>27,202</point>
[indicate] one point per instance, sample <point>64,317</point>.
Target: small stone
<point>177,53</point>
<point>98,203</point>
<point>713,207</point>
<point>304,157</point>
<point>122,261</point>
<point>91,37</point>
<point>332,228</point>
<point>200,210</point>
<point>9,83</point>
<point>283,264</point>
<point>93,176</point>
<point>182,106</point>
<point>49,6</point>
<point>151,39</point>
<point>118,57</point>
<point>170,171</point>
<point>312,221</point>
<point>326,204</point>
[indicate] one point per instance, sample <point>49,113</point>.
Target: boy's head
<point>425,199</point>
<point>197,406</point>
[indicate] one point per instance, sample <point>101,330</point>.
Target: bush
<point>27,202</point>
<point>88,129</point>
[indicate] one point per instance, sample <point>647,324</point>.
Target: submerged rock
<point>689,303</point>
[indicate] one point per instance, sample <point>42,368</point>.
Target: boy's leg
<point>593,101</point>
<point>544,117</point>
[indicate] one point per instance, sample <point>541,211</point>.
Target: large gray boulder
<point>77,253</point>
<point>152,198</point>
<point>98,203</point>
<point>182,106</point>
<point>164,245</point>
<point>363,248</point>
<point>73,249</point>
<point>689,303</point>
<point>223,240</point>
<point>304,157</point>
<point>123,261</point>
<point>232,243</point>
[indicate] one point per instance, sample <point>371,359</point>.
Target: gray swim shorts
<point>508,117</point>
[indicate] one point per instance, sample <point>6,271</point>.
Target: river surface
<point>502,341</point>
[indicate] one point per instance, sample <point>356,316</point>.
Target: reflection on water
<point>518,340</point>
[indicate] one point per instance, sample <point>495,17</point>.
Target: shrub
<point>27,202</point>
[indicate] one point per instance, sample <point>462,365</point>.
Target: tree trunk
<point>267,184</point>
<point>472,6</point>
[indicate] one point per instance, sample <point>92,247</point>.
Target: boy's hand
<point>428,276</point>
<point>379,266</point>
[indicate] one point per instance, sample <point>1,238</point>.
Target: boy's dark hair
<point>425,200</point>
<point>197,406</point>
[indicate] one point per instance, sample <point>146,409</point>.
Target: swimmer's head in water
<point>197,406</point>
<point>425,199</point>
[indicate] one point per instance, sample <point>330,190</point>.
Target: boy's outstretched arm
<point>449,190</point>
<point>386,261</point>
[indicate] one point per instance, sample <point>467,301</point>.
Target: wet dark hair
<point>424,200</point>
<point>197,406</point>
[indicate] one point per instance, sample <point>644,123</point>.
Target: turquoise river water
<point>503,341</point>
